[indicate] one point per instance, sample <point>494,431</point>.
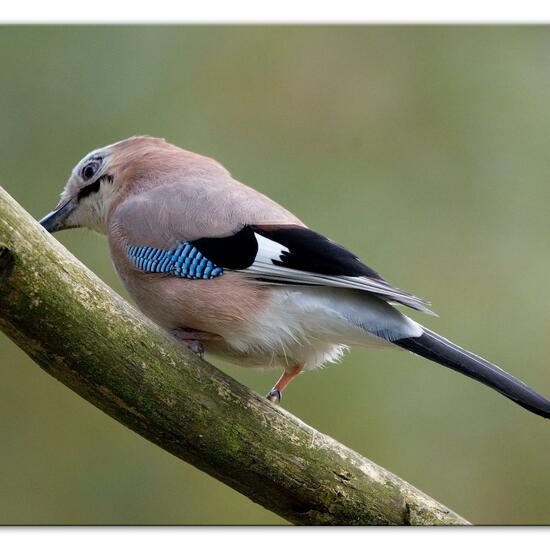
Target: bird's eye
<point>90,170</point>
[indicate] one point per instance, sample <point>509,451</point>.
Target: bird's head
<point>99,179</point>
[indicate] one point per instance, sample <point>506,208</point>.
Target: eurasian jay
<point>230,271</point>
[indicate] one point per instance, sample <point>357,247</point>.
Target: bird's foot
<point>196,347</point>
<point>276,392</point>
<point>274,396</point>
<point>194,339</point>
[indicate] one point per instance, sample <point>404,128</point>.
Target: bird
<point>229,271</point>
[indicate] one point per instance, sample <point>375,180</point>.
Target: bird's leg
<point>194,339</point>
<point>286,378</point>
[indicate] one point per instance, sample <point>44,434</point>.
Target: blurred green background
<point>423,149</point>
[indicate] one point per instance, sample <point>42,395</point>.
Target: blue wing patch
<point>185,261</point>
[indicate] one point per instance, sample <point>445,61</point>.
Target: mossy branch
<point>82,333</point>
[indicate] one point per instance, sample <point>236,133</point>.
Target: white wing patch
<point>268,250</point>
<point>263,267</point>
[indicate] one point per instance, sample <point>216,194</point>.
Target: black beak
<point>55,221</point>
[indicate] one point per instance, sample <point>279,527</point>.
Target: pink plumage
<point>284,296</point>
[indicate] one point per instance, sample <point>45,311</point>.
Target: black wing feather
<point>307,251</point>
<point>236,251</point>
<point>311,251</point>
<point>302,251</point>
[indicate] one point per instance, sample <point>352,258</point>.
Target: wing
<point>297,255</point>
<point>160,232</point>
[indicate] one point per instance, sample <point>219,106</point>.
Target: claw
<point>193,339</point>
<point>196,347</point>
<point>274,396</point>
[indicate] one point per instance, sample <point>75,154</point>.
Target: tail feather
<point>436,348</point>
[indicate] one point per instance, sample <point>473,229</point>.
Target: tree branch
<point>82,333</point>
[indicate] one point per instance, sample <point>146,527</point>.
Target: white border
<point>289,538</point>
<point>281,11</point>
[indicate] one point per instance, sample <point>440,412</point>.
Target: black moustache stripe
<point>93,187</point>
